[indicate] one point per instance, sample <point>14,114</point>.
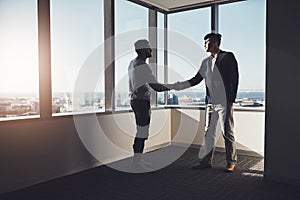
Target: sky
<point>18,46</point>
<point>242,26</point>
<point>77,30</point>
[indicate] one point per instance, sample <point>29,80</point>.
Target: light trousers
<point>218,121</point>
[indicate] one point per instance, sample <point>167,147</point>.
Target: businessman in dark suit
<point>220,72</point>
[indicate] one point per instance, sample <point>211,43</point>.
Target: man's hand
<point>178,85</point>
<point>170,86</point>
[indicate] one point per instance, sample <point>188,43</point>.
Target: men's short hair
<point>214,37</point>
<point>141,44</point>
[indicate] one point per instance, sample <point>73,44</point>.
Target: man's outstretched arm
<point>189,83</point>
<point>161,87</point>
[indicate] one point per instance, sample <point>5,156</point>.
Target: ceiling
<point>179,5</point>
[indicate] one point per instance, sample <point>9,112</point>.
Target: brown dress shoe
<point>229,168</point>
<point>202,165</point>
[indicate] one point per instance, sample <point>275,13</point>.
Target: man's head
<point>212,42</point>
<point>143,48</point>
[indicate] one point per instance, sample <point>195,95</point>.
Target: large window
<point>131,25</point>
<point>242,26</point>
<point>19,96</point>
<point>77,56</point>
<point>185,53</point>
<point>77,53</point>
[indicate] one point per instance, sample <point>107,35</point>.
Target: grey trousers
<point>219,121</point>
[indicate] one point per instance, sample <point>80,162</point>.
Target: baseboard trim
<point>218,149</point>
<point>156,147</point>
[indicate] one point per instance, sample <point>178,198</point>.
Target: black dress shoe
<point>202,165</point>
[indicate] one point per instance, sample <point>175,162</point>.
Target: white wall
<point>249,129</point>
<point>34,151</point>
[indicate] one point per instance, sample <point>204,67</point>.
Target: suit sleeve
<point>196,79</point>
<point>234,79</point>
<point>191,82</point>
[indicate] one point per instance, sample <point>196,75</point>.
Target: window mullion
<point>44,50</point>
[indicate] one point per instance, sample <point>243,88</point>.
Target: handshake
<point>178,85</point>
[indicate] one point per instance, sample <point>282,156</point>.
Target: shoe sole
<point>228,171</point>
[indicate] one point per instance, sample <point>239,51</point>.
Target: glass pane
<point>77,37</point>
<point>242,26</point>
<point>131,26</point>
<point>185,53</point>
<point>19,93</point>
<point>160,56</point>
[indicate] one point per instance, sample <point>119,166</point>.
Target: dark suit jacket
<point>228,68</point>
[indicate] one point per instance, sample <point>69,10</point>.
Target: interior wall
<point>34,151</point>
<point>249,129</point>
<point>282,91</point>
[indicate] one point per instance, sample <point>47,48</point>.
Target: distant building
<point>4,107</point>
<point>172,99</point>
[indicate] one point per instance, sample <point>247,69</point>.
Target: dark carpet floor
<point>176,181</point>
